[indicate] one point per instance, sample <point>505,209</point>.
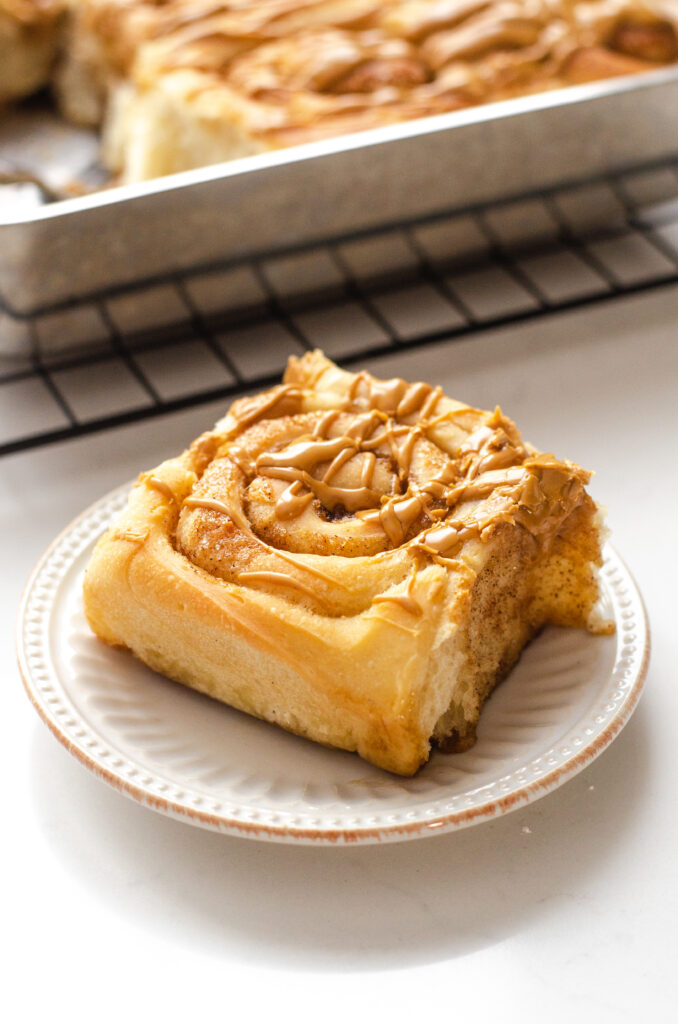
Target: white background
<point>564,910</point>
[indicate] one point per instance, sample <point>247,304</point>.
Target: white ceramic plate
<point>194,759</point>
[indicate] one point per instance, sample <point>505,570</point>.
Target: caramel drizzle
<point>441,539</point>
<point>486,462</point>
<point>483,485</point>
<point>412,400</point>
<point>295,463</point>
<point>367,472</point>
<point>162,487</point>
<point>383,399</point>
<point>396,516</point>
<point>451,414</point>
<point>490,462</point>
<point>211,504</point>
<point>325,422</point>
<point>236,457</point>
<point>299,564</point>
<point>410,604</point>
<point>337,462</point>
<point>407,600</point>
<point>293,501</point>
<point>429,405</point>
<point>248,410</point>
<point>392,622</point>
<point>280,579</point>
<point>352,498</point>
<point>398,513</point>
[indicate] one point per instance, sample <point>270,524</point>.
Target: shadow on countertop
<point>350,908</point>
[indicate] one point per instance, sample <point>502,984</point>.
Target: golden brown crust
<point>357,560</point>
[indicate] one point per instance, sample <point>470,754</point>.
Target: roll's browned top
<point>333,487</point>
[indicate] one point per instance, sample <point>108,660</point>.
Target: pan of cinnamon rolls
<point>359,561</point>
<point>289,122</point>
<point>177,84</point>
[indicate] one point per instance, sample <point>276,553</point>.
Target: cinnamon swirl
<point>359,561</point>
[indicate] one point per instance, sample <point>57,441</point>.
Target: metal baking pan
<point>63,251</point>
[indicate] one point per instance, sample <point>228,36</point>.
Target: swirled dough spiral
<point>357,560</point>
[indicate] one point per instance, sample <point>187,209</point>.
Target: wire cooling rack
<point>215,332</point>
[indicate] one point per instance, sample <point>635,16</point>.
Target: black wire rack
<point>175,342</point>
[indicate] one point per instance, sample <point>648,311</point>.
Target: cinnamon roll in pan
<point>177,84</point>
<point>184,83</point>
<point>358,561</point>
<point>29,36</point>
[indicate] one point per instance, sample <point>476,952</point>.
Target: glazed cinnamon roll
<point>359,561</point>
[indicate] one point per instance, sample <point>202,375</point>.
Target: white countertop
<point>564,909</point>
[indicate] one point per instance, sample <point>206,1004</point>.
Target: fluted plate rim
<point>51,634</point>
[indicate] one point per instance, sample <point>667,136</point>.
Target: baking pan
<point>61,252</point>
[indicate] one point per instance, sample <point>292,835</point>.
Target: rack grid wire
<point>217,331</point>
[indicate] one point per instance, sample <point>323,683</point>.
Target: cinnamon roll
<point>29,34</point>
<point>359,561</point>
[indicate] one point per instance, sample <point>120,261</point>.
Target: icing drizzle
<point>482,477</point>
